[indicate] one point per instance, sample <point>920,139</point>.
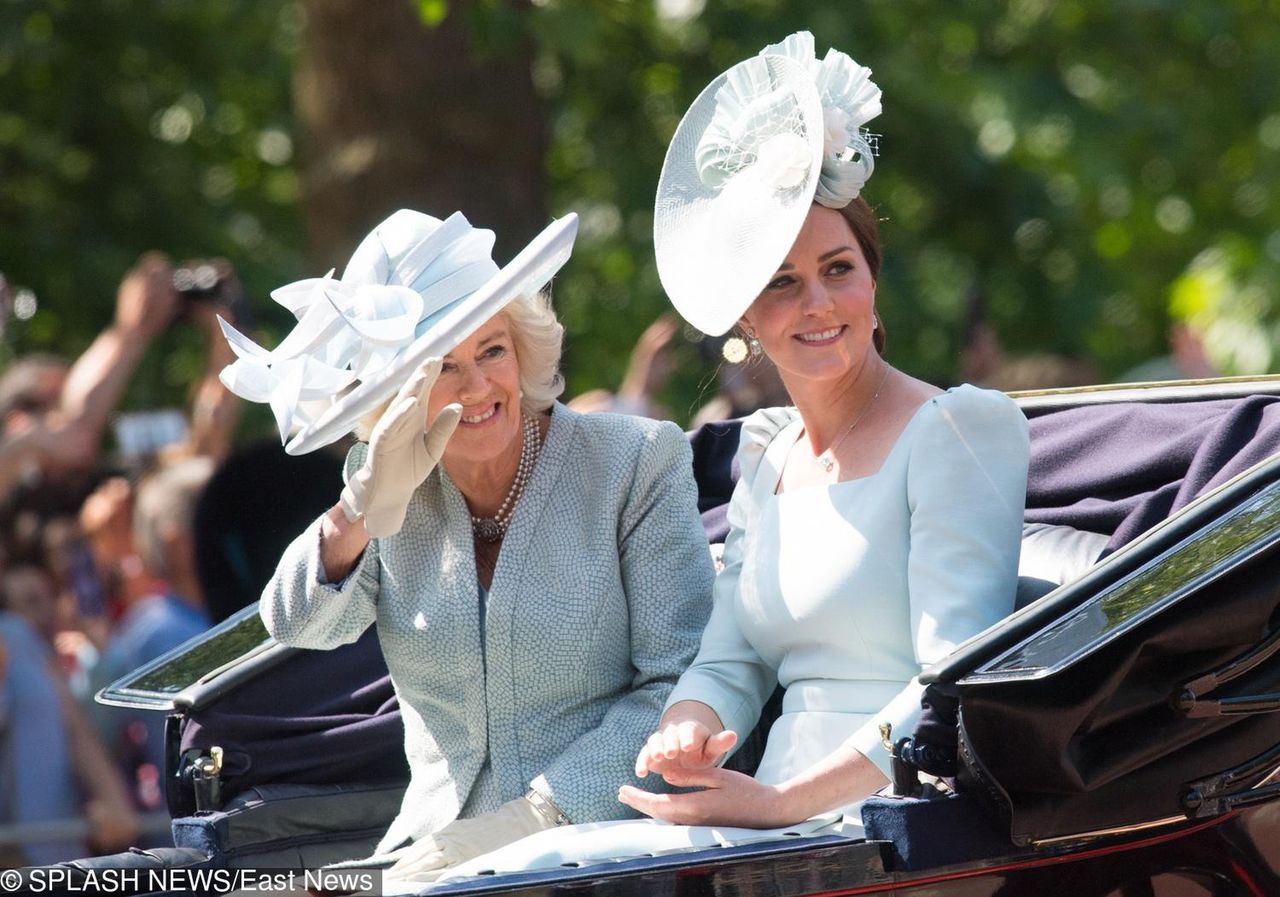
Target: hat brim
<point>525,274</point>
<point>717,246</point>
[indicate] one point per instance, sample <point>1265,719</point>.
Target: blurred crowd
<point>109,559</point>
<point>97,561</point>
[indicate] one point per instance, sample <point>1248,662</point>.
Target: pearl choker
<point>491,529</point>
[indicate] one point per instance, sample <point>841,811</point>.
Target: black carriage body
<point>1099,753</point>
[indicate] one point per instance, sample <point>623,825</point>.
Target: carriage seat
<point>1051,556</point>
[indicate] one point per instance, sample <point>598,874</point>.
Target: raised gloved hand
<point>464,839</point>
<point>403,450</point>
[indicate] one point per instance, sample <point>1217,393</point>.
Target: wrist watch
<point>545,806</point>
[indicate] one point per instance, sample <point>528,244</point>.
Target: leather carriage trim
<point>1016,630</point>
<point>1107,832</point>
<point>974,778</point>
<point>1221,792</point>
<point>1040,401</point>
<point>1190,700</point>
<point>1245,517</point>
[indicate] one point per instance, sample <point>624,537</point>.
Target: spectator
<point>983,362</point>
<point>648,371</point>
<point>31,591</point>
<point>54,416</point>
<point>257,501</point>
<point>51,756</point>
<point>1186,360</point>
<point>155,620</point>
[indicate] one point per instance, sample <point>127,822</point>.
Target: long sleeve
<point>300,608</point>
<point>966,488</point>
<point>729,675</point>
<point>666,576</point>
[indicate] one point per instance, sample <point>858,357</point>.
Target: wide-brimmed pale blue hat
<point>763,142</point>
<point>415,287</point>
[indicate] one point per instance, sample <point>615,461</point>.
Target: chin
<point>481,444</point>
<point>818,369</point>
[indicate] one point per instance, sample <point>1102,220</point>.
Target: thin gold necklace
<point>827,460</point>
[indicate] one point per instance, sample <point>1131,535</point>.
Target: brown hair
<point>861,219</point>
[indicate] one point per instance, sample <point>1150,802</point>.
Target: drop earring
<point>753,344</point>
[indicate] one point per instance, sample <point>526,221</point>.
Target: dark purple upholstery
<point>1111,469</point>
<point>320,717</point>
<point>716,470</point>
<point>1121,469</point>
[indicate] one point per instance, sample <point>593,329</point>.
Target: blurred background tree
<point>1093,172</point>
<point>130,126</point>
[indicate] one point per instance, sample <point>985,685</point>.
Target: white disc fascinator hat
<point>763,142</point>
<point>415,287</point>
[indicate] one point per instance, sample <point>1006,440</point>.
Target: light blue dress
<point>845,593</point>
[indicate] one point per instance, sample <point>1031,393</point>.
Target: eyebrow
<point>501,334</point>
<point>787,266</point>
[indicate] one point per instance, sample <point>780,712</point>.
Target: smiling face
<point>483,376</point>
<point>816,317</point>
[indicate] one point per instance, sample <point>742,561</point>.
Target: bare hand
<point>729,798</point>
<point>111,827</point>
<point>65,444</point>
<point>686,744</point>
<point>651,362</point>
<point>146,301</point>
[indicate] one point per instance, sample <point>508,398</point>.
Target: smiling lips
<point>821,337</point>
<point>480,418</point>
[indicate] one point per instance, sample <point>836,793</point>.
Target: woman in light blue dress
<point>876,523</point>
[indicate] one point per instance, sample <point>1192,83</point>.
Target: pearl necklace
<point>827,460</point>
<point>491,529</point>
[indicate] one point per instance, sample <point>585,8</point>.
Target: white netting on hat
<point>849,99</point>
<point>736,185</point>
<point>757,122</point>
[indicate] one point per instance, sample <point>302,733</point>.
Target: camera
<point>199,281</point>
<point>213,282</point>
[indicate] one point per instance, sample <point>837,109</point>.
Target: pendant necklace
<point>827,460</point>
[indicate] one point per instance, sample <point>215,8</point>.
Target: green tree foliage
<point>127,126</point>
<point>1089,169</point>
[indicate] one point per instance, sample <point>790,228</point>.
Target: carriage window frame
<point>158,684</point>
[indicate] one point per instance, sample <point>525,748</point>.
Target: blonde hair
<point>538,338</point>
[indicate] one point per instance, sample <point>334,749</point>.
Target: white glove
<point>402,452</point>
<point>464,839</point>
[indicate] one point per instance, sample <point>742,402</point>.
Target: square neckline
<point>791,441</point>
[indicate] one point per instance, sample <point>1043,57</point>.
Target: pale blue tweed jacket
<point>597,604</point>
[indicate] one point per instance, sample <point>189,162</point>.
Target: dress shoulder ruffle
<point>758,431</point>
